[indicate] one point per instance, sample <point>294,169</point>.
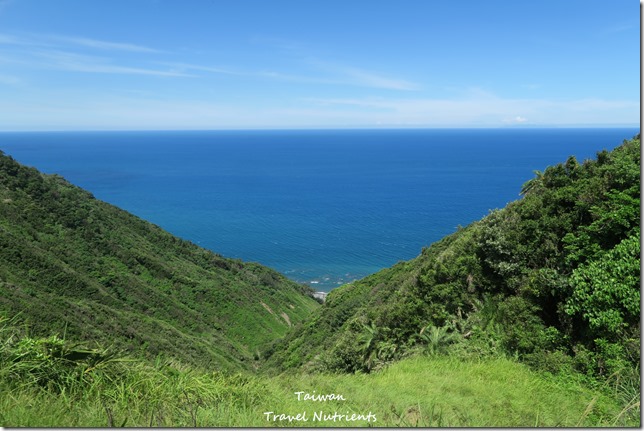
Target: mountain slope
<point>75,265</point>
<point>552,279</point>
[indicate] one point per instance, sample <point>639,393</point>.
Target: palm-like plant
<point>368,339</point>
<point>533,184</point>
<point>373,345</point>
<point>437,338</point>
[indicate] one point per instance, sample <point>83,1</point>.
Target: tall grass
<point>49,383</point>
<point>443,391</point>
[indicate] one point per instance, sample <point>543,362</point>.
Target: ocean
<point>324,207</point>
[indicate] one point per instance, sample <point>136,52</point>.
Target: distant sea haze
<point>324,207</point>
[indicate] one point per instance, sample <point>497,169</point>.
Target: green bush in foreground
<point>45,382</point>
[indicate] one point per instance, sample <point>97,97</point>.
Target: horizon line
<point>331,128</point>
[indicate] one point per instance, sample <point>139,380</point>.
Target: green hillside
<point>73,265</point>
<point>553,280</point>
<point>528,317</point>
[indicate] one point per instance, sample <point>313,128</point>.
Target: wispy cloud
<point>369,79</point>
<point>64,52</point>
<point>210,69</point>
<point>46,51</point>
<point>101,44</point>
<point>361,77</point>
<point>83,63</point>
<point>331,75</point>
<point>332,72</point>
<point>618,28</point>
<point>262,74</point>
<point>485,109</point>
<point>64,41</point>
<point>75,110</point>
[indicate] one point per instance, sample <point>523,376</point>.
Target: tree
<point>606,291</point>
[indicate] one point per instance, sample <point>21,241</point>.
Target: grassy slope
<point>505,279</point>
<point>419,391</point>
<point>469,280</point>
<point>75,265</point>
<point>446,284</point>
<point>389,295</point>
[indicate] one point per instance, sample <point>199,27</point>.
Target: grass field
<point>419,391</point>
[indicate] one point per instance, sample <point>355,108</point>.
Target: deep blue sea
<point>323,207</point>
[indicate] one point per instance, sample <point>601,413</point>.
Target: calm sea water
<point>322,207</point>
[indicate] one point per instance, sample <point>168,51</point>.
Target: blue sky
<point>224,64</point>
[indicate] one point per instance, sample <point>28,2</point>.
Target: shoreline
<point>320,295</point>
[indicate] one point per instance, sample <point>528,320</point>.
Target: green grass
<point>420,391</point>
<point>443,391</point>
<point>72,264</point>
<point>552,278</point>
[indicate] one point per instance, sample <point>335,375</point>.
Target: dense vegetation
<point>553,279</point>
<point>73,265</point>
<point>48,382</point>
<point>528,317</point>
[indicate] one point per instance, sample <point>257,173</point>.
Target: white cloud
<point>91,64</point>
<point>618,28</point>
<point>55,40</point>
<point>369,79</point>
<point>211,69</point>
<point>360,77</point>
<point>343,76</point>
<point>278,76</point>
<point>101,44</point>
<point>485,109</point>
<point>516,120</point>
<point>334,72</point>
<point>60,52</point>
<point>80,111</point>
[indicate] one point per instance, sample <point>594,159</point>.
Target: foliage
<point>437,339</point>
<point>419,391</point>
<point>51,363</point>
<point>606,291</point>
<point>73,264</point>
<point>551,279</point>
